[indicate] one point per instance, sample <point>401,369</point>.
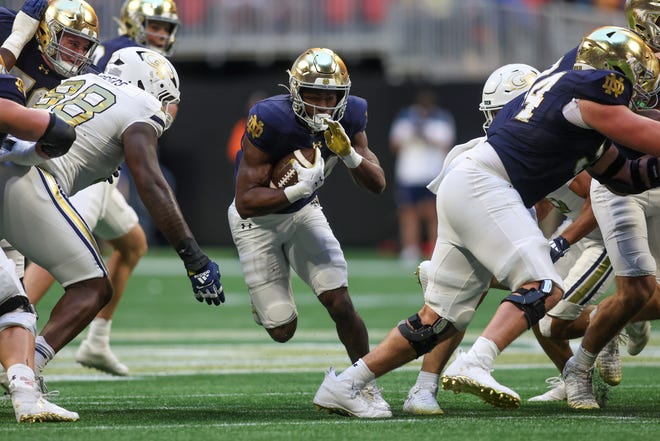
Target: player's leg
<point>18,324</point>
<point>259,243</point>
<point>117,223</point>
<point>41,214</point>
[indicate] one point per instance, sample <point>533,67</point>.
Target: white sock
<point>22,373</point>
<point>485,351</point>
<point>43,353</point>
<point>427,380</point>
<point>359,373</point>
<point>99,329</point>
<point>584,358</point>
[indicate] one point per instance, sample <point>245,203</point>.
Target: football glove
<point>336,139</point>
<point>206,284</point>
<point>558,248</point>
<point>309,179</point>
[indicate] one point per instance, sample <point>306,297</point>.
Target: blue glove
<point>558,248</point>
<point>206,284</point>
<point>35,8</point>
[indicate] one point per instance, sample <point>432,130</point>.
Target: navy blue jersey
<point>11,88</point>
<point>539,148</point>
<point>30,67</point>
<point>109,47</point>
<point>274,129</point>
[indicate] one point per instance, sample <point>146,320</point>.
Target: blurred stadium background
<point>227,49</point>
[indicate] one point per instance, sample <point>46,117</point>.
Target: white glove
<point>309,179</point>
<point>20,152</point>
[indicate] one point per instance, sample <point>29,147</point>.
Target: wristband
<point>193,257</point>
<point>353,159</point>
<point>21,32</point>
<point>58,138</point>
<point>296,192</point>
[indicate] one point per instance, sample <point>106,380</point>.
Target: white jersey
<point>98,150</point>
<point>570,205</point>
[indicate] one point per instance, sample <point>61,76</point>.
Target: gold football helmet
<point>136,14</point>
<point>68,17</point>
<point>622,50</point>
<point>322,69</point>
<point>642,16</point>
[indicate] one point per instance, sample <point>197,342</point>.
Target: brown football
<point>283,174</point>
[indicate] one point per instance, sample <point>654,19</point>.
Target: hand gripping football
<point>284,174</point>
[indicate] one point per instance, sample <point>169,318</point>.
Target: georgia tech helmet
<point>642,17</point>
<point>148,70</point>
<point>503,85</point>
<point>136,14</point>
<point>622,50</point>
<point>321,69</point>
<point>72,17</point>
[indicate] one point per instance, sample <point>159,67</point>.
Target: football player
<point>118,116</point>
<point>277,230</point>
<point>18,320</point>
<point>150,23</point>
<point>534,146</point>
<point>630,227</point>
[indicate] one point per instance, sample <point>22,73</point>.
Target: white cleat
<point>579,386</point>
<point>639,334</point>
<point>467,375</point>
<point>100,357</point>
<point>422,401</point>
<point>31,407</point>
<point>608,363</point>
<point>343,398</point>
<point>373,394</point>
<point>557,391</point>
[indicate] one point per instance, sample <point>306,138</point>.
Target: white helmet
<point>149,71</point>
<point>503,85</point>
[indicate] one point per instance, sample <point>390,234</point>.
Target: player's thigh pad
<point>624,222</point>
<point>43,225</point>
<point>259,242</point>
<point>314,252</point>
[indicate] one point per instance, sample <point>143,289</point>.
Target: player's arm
<point>141,157</point>
<point>254,197</point>
<point>25,25</point>
<point>632,130</point>
<point>356,155</point>
<point>585,223</point>
<point>22,122</point>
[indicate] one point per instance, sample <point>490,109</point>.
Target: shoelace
<point>41,384</point>
<point>554,382</point>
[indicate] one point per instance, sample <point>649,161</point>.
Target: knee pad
<point>275,315</point>
<point>422,338</point>
<point>17,311</point>
<point>531,301</point>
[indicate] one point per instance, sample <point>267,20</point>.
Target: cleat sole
<point>487,394</point>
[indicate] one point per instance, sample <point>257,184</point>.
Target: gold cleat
<point>487,394</point>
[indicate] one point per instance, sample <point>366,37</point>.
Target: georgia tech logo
<point>255,127</point>
<point>613,85</point>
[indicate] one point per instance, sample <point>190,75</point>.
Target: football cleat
<point>579,386</point>
<point>422,401</point>
<point>31,407</point>
<point>467,375</point>
<point>100,357</point>
<point>343,398</point>
<point>372,393</point>
<point>557,391</point>
<point>608,363</point>
<point>639,334</point>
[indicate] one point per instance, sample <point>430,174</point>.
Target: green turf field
<point>209,373</point>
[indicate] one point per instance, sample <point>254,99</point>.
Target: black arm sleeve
<point>58,138</point>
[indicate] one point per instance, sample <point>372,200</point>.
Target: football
<point>283,174</point>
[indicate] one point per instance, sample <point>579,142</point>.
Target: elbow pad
<point>637,184</point>
<point>58,138</point>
